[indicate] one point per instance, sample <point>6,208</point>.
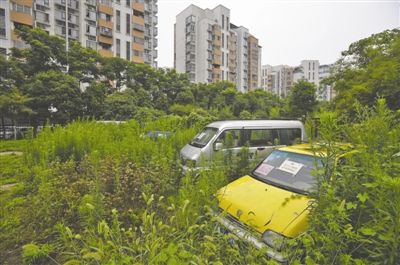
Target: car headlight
<point>273,239</point>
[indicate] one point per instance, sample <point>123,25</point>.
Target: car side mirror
<point>217,146</point>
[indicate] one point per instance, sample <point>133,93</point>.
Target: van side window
<point>260,137</point>
<point>289,136</point>
<point>230,139</point>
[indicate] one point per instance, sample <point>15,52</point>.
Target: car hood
<point>190,152</point>
<point>265,207</point>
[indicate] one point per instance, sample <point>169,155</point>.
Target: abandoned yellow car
<point>271,203</point>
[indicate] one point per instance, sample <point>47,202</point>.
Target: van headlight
<point>191,163</point>
<point>273,239</point>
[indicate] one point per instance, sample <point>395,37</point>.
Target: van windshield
<point>290,171</point>
<point>204,137</point>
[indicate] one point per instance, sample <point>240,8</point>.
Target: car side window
<point>230,139</point>
<point>260,137</point>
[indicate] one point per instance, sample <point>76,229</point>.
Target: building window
<point>128,24</point>
<point>223,74</point>
<point>313,77</point>
<point>128,50</point>
<point>118,48</point>
<point>118,20</point>
<point>223,40</point>
<point>128,2</point>
<point>227,23</point>
<point>223,58</point>
<point>2,22</point>
<point>21,8</point>
<point>223,21</point>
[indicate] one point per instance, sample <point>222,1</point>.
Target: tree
<point>54,90</point>
<point>14,104</point>
<point>120,106</point>
<point>302,98</point>
<point>94,99</point>
<point>369,69</point>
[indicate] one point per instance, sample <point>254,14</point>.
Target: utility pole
<point>66,32</point>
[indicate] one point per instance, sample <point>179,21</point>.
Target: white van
<point>261,137</point>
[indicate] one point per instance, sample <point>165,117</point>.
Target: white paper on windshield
<point>264,169</point>
<point>291,167</point>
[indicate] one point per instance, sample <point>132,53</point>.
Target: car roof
<point>255,123</point>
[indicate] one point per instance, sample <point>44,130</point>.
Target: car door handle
<point>260,148</point>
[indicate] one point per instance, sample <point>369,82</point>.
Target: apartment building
<point>209,48</point>
<point>325,91</point>
<point>120,28</point>
<point>308,70</point>
<point>277,79</point>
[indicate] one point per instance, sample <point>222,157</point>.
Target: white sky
<point>291,30</point>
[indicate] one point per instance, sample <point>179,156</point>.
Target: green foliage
<point>367,70</point>
<point>34,254</point>
<point>302,98</point>
<point>356,220</point>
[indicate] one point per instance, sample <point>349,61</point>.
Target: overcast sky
<point>291,30</point>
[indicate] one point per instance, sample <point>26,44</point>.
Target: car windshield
<point>204,137</point>
<point>287,170</point>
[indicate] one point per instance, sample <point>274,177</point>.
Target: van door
<point>232,141</point>
<point>289,136</point>
<point>261,142</point>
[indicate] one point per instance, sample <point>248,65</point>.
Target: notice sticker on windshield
<point>264,169</point>
<point>291,167</point>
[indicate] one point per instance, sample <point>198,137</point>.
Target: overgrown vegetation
<point>96,193</point>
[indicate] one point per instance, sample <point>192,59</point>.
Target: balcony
<point>105,23</point>
<point>105,32</point>
<point>138,47</point>
<point>216,60</point>
<point>138,6</point>
<point>138,59</point>
<point>91,2</point>
<point>155,43</point>
<point>105,53</point>
<point>105,40</point>
<point>21,18</point>
<point>106,9</point>
<point>72,4</point>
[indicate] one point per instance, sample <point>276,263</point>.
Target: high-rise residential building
<point>325,91</point>
<point>313,72</point>
<point>121,28</point>
<point>308,70</point>
<point>277,79</point>
<point>209,48</point>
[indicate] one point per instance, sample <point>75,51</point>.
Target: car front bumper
<point>245,235</point>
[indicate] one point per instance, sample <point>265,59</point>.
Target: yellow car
<point>271,203</point>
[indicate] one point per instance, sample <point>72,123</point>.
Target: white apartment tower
<point>120,28</point>
<point>309,70</point>
<point>209,48</point>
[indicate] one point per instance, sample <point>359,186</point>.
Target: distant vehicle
<point>155,135</point>
<point>272,203</point>
<point>261,136</point>
<point>111,122</point>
